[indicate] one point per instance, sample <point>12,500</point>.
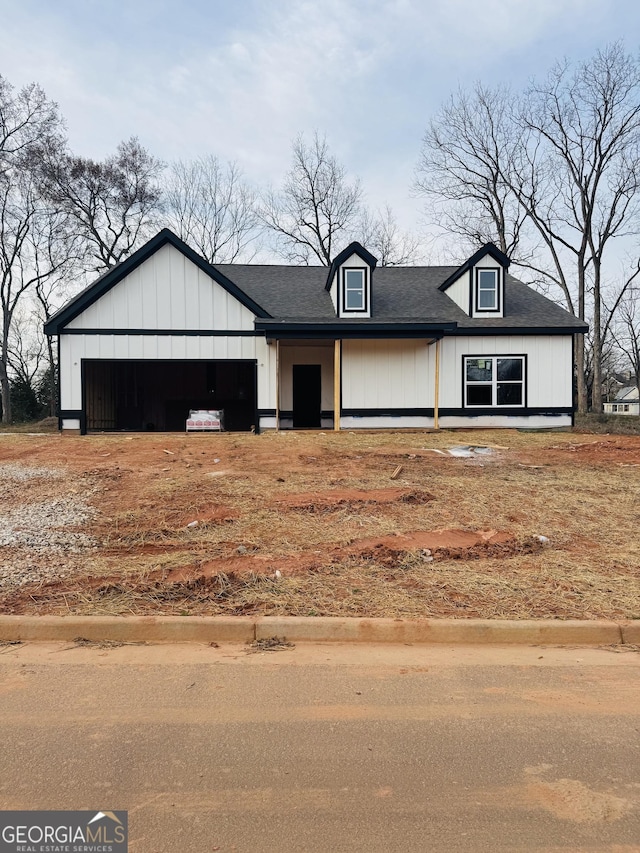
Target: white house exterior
<point>626,402</point>
<point>347,347</point>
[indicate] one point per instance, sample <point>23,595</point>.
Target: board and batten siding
<point>378,374</point>
<point>549,366</point>
<point>167,291</point>
<point>75,348</point>
<point>290,355</point>
<point>459,292</point>
<point>387,375</point>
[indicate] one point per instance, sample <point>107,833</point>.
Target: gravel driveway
<point>41,519</point>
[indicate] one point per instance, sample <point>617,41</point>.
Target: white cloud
<point>242,80</point>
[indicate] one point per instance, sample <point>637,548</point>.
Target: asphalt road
<point>330,748</point>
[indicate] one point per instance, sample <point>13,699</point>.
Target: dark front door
<point>307,389</point>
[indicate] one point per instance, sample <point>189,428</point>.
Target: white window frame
<point>494,382</point>
<point>362,289</point>
<point>495,307</point>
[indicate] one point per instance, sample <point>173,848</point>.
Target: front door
<point>307,392</point>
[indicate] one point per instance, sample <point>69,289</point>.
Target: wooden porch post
<point>277,385</point>
<point>336,386</point>
<point>436,390</point>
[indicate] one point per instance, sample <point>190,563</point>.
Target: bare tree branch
<point>316,207</point>
<point>115,203</point>
<point>210,207</point>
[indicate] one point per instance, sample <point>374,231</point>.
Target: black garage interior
<point>157,395</point>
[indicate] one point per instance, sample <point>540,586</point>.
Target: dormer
<point>478,285</point>
<point>349,282</point>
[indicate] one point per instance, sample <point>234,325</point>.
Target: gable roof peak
<point>492,249</point>
<point>115,274</point>
<point>354,248</point>
<point>487,249</point>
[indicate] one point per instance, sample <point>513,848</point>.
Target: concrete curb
<point>244,629</point>
<point>631,632</point>
<point>130,629</point>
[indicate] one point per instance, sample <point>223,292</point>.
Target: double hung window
<point>354,295</point>
<point>487,290</point>
<point>492,381</point>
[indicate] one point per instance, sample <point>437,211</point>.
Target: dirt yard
<point>526,525</point>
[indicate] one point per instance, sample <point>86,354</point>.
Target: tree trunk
<point>580,377</point>
<point>583,396</point>
<point>596,391</point>
<point>5,393</point>
<point>52,391</point>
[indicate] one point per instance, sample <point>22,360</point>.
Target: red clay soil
<point>612,450</point>
<point>441,544</point>
<point>148,488</point>
<point>337,498</point>
<point>212,515</point>
<point>432,540</point>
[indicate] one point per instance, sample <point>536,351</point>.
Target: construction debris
<point>269,644</point>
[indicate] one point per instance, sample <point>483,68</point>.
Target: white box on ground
<point>205,419</point>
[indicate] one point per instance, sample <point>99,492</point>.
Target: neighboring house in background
<point>612,383</point>
<point>626,402</point>
<point>349,346</point>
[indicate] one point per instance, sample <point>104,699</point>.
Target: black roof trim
<point>354,248</point>
<point>353,330</point>
<point>487,249</point>
<point>173,333</point>
<point>465,331</point>
<point>112,276</point>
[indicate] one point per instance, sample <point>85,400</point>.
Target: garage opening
<point>158,395</point>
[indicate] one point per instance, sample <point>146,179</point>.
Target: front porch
<point>333,384</point>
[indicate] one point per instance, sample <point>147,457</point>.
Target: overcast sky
<point>241,79</point>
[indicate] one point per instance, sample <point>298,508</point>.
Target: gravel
<point>40,519</point>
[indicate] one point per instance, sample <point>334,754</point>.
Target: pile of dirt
<point>341,498</point>
<point>448,544</point>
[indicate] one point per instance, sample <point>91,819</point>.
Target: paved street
<point>330,748</point>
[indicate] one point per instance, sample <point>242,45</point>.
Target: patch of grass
<point>608,424</point>
<point>45,425</point>
<point>580,491</point>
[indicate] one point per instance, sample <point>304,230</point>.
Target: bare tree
<point>31,253</point>
<point>114,203</point>
<point>579,176</point>
<point>317,206</point>
<point>383,237</point>
<point>569,154</point>
<point>466,150</point>
<point>212,209</point>
<point>27,346</point>
<point>27,120</point>
<point>626,330</point>
<point>30,248</point>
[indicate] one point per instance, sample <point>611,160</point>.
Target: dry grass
<point>609,424</point>
<point>580,491</point>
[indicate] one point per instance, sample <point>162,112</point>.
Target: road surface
<point>330,748</point>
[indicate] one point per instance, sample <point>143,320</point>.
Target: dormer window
<point>354,294</point>
<point>477,287</point>
<point>487,290</point>
<point>349,282</point>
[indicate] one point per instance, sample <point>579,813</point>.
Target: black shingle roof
<point>399,294</point>
<point>401,297</point>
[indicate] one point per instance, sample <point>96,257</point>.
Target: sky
<point>242,79</point>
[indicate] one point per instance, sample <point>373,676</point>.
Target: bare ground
<point>322,524</point>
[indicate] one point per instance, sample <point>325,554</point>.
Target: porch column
<point>336,385</point>
<point>436,387</point>
<point>277,384</point>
